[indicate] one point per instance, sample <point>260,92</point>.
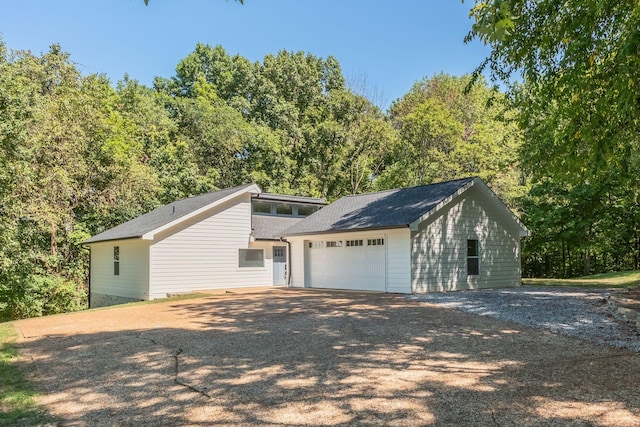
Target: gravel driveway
<point>295,357</point>
<point>577,312</point>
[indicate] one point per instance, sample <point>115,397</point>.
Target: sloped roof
<point>292,199</point>
<point>270,227</point>
<point>384,209</point>
<point>165,215</point>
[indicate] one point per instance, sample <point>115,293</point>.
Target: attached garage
<point>357,263</point>
<point>441,237</point>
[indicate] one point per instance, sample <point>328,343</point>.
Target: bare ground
<point>294,357</point>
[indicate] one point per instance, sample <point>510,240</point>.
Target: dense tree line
<point>80,154</point>
<point>577,94</point>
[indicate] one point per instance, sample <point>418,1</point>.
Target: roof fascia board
<point>115,239</point>
<point>355,230</point>
<point>283,198</point>
<point>524,231</point>
<point>416,223</point>
<point>490,195</point>
<point>253,189</point>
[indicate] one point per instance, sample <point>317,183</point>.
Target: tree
<point>580,62</point>
<point>42,178</point>
<point>287,122</point>
<point>579,110</point>
<point>447,133</point>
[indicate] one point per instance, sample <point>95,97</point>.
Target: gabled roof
<point>270,227</point>
<point>388,209</point>
<point>166,216</point>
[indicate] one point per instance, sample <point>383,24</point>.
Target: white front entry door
<point>279,265</point>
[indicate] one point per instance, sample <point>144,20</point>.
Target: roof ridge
<point>415,186</point>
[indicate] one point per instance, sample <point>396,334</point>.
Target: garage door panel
<point>335,265</point>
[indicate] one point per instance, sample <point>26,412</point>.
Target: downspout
<point>89,280</point>
<point>288,261</point>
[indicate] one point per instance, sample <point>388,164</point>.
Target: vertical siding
<point>439,247</point>
<point>203,253</point>
<point>134,269</point>
<point>353,267</point>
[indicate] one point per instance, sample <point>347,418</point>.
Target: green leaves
<point>80,156</point>
<point>494,20</point>
<point>580,67</point>
<point>571,69</point>
<point>447,133</point>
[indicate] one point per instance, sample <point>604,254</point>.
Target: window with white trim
<point>354,243</point>
<point>316,245</point>
<point>283,209</point>
<point>250,258</point>
<point>473,257</point>
<point>334,244</point>
<point>116,260</point>
<point>306,210</point>
<point>261,207</point>
<point>375,242</point>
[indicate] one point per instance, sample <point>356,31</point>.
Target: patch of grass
<point>17,395</point>
<point>618,279</point>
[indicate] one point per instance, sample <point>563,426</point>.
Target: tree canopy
<point>572,71</point>
<point>580,66</point>
<point>79,154</point>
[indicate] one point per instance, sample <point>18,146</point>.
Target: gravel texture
<point>576,312</point>
<point>296,357</point>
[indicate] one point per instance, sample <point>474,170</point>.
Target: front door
<point>279,265</point>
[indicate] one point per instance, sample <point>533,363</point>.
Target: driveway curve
<point>298,357</point>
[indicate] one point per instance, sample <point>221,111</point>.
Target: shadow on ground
<point>329,358</point>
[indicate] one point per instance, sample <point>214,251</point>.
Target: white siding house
<point>211,241</point>
<point>441,237</point>
<point>129,281</point>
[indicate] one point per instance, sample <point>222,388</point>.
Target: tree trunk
<point>587,263</point>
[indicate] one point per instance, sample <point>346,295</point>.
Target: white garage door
<point>356,264</point>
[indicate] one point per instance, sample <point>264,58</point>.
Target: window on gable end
<point>116,260</point>
<point>473,257</point>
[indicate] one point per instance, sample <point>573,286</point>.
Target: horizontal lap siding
<point>203,254</point>
<point>398,260</point>
<point>134,269</point>
<point>439,247</point>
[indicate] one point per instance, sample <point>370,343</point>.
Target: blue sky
<point>389,44</point>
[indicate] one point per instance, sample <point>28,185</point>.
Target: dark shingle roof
<point>293,199</point>
<point>384,209</point>
<point>162,216</point>
<point>267,227</point>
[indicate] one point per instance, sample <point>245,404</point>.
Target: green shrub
<point>38,295</point>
